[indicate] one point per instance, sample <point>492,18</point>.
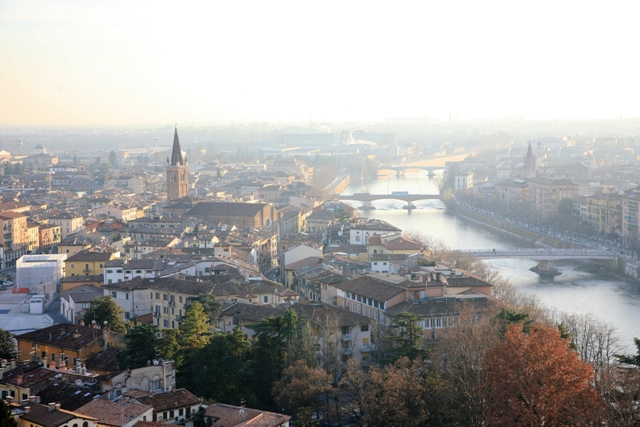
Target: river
<point>575,291</point>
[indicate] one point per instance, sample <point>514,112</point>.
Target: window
<point>166,323</point>
<point>266,298</point>
<point>364,328</point>
<point>165,297</point>
<point>73,266</point>
<point>165,310</point>
<point>101,265</point>
<point>180,299</point>
<point>155,383</point>
<point>109,271</point>
<point>157,295</point>
<point>114,294</point>
<point>126,295</point>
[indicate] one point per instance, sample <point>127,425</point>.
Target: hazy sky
<point>154,62</point>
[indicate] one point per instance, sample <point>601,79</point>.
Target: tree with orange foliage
<point>535,379</point>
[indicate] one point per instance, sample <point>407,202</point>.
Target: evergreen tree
<point>510,317</point>
<point>219,369</point>
<point>8,348</point>
<point>633,359</point>
<point>209,304</point>
<point>6,418</point>
<point>106,309</point>
<point>195,331</point>
<point>142,346</point>
<point>406,336</point>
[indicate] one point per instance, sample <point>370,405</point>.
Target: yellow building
<point>64,343</point>
<point>604,212</point>
<point>87,263</point>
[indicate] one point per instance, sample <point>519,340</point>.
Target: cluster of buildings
<point>68,375</point>
<point>599,177</point>
<point>258,237</point>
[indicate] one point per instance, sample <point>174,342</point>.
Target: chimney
<point>32,399</point>
<point>52,407</point>
<point>13,363</point>
<point>27,409</point>
<point>19,379</point>
<point>9,399</point>
<point>58,406</point>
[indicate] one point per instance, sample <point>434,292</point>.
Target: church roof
<point>176,153</point>
<point>528,156</point>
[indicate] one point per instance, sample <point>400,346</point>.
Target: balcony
<point>156,314</point>
<point>368,348</point>
<point>347,337</point>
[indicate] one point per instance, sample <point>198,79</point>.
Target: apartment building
<point>14,237</point>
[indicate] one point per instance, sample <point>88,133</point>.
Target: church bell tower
<point>177,172</point>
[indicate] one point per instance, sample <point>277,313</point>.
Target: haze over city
<point>93,63</point>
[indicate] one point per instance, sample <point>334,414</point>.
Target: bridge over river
<point>545,257</point>
<point>367,198</point>
<point>538,254</point>
<point>429,165</point>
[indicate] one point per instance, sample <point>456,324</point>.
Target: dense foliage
<point>514,365</point>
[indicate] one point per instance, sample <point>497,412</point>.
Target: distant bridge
<point>538,254</point>
<point>368,198</point>
<point>430,165</point>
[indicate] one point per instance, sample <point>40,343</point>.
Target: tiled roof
<point>466,281</point>
<point>82,293</point>
<point>65,335</point>
<point>91,278</point>
<point>90,256</point>
<point>26,375</point>
<point>69,396</point>
<point>403,244</point>
<point>172,400</point>
<point>370,288</point>
<point>113,413</point>
<point>226,209</point>
<point>439,306</point>
<point>40,414</point>
<point>234,416</point>
<point>106,360</point>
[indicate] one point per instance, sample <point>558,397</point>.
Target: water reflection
<point>576,290</point>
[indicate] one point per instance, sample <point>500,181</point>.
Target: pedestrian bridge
<point>537,254</point>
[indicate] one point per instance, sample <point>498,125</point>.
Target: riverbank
<point>620,269</point>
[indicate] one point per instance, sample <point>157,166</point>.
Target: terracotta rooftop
<point>370,288</point>
<point>114,413</point>
<point>65,335</point>
<point>172,400</point>
<point>26,375</point>
<point>234,416</point>
<point>42,416</point>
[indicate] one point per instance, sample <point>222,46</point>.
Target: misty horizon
<point>87,64</point>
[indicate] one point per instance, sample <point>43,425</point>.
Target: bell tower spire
<point>177,171</point>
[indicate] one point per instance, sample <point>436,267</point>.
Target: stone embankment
<point>625,266</point>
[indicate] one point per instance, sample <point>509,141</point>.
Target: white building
<point>463,181</point>
<point>35,270</point>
